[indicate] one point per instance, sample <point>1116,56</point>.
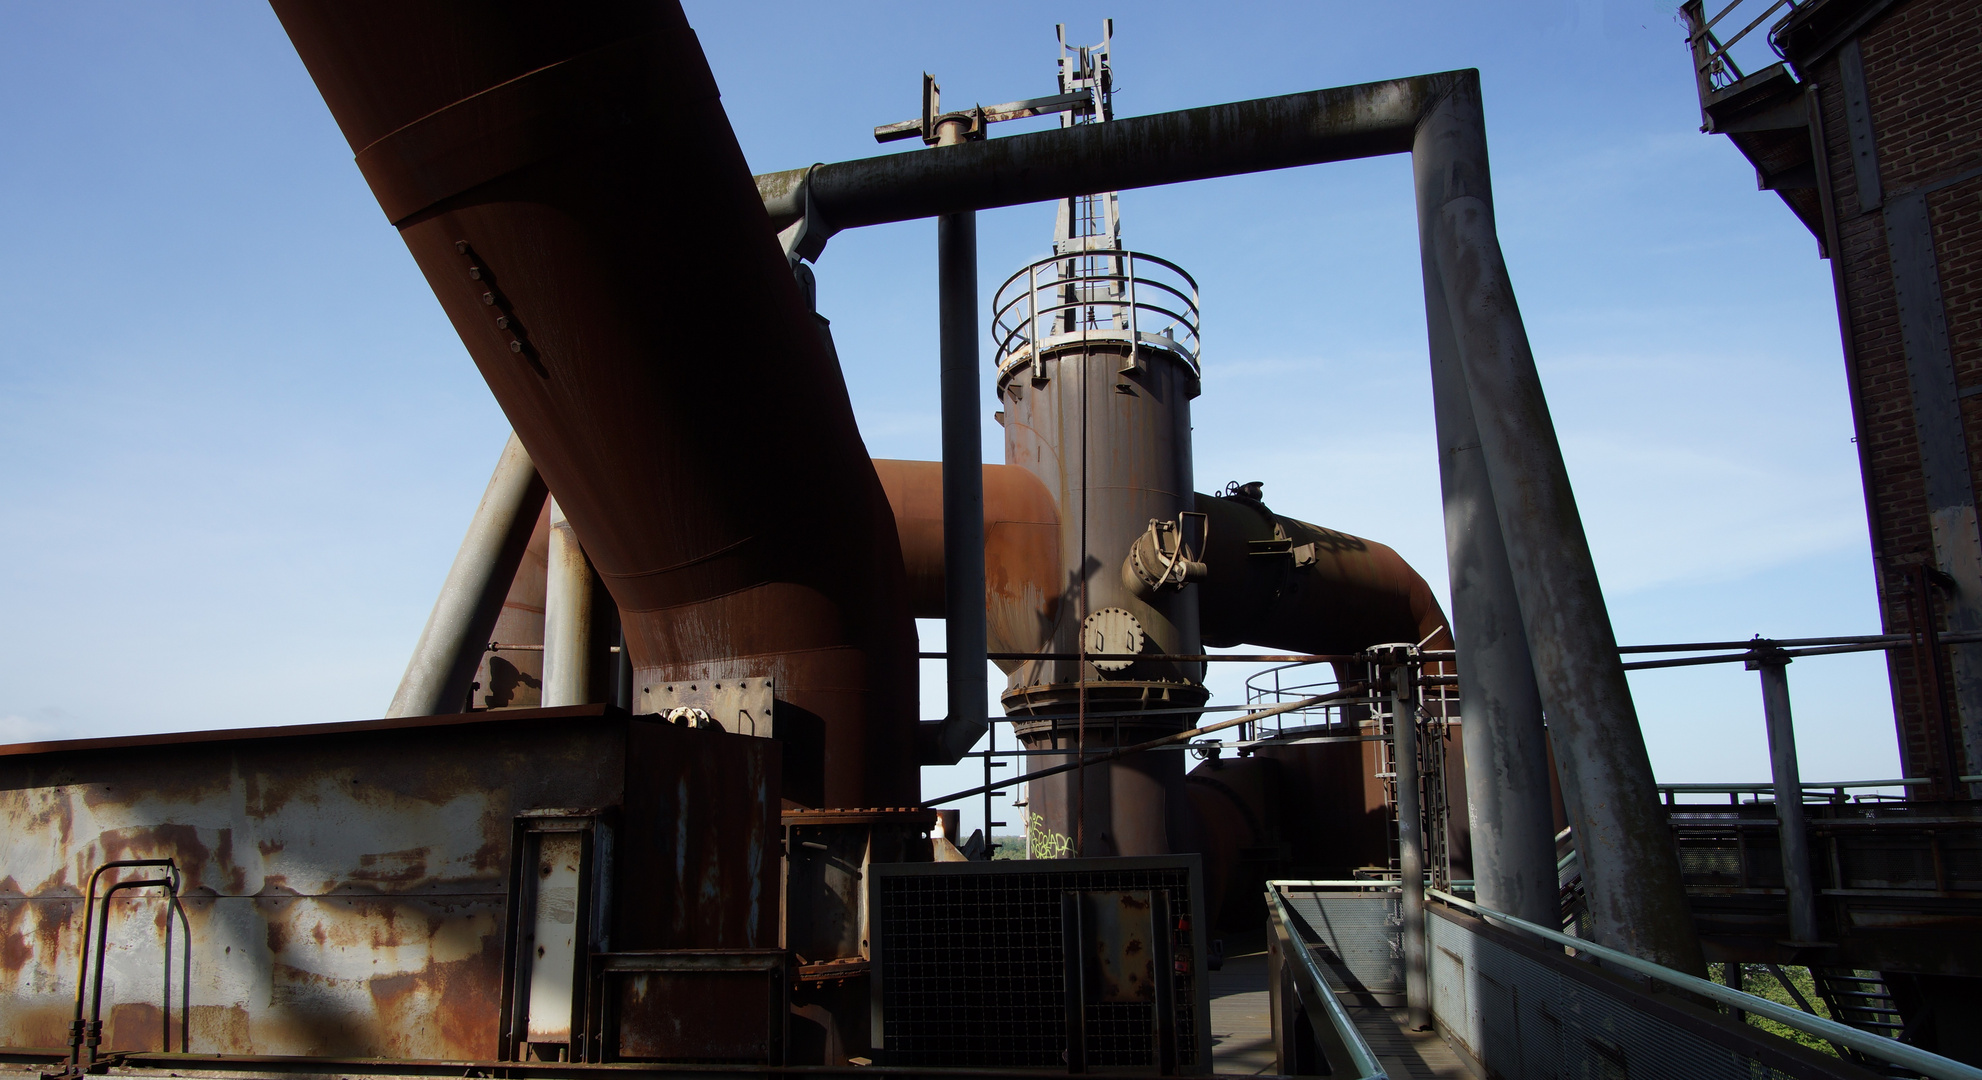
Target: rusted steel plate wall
<point>345,891</point>
<point>698,863</point>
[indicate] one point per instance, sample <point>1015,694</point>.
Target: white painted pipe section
<point>457,631</point>
<point>567,617</point>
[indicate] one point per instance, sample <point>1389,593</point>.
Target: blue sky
<point>242,441</point>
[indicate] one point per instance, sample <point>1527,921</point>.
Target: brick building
<point>1870,129</point>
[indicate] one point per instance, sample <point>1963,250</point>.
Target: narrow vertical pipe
<point>1794,836</point>
<point>963,494</point>
<point>622,674</point>
<point>1630,866</point>
<point>568,591</point>
<point>1501,730</point>
<point>1410,841</point>
<point>457,631</point>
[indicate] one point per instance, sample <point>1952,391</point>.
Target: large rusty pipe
<point>1506,744</point>
<point>1021,529</point>
<point>1330,593</point>
<point>1630,866</point>
<point>567,181</point>
<point>457,631</point>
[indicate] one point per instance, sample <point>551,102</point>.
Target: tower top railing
<point>1093,294</point>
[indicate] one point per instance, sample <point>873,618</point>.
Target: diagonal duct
<point>567,180</point>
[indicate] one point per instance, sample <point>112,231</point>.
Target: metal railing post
<point>1410,839</point>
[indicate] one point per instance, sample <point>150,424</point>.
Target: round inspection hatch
<point>1111,630</point>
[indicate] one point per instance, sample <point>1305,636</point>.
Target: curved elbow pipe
<point>1279,583</point>
<point>566,179</point>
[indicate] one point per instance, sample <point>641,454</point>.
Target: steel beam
<point>1793,833</point>
<point>1943,442</point>
<point>457,631</point>
<point>1410,839</point>
<point>1630,867</point>
<point>1506,744</point>
<point>1143,151</point>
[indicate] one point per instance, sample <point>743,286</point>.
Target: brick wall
<point>1923,75</point>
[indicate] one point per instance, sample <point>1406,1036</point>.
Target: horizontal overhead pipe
<point>1310,128</point>
<point>566,179</point>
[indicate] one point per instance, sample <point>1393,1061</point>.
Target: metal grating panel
<point>1363,935</point>
<point>1520,1016</point>
<point>971,969</point>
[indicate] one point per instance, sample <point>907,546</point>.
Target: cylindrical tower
<point>1097,360</point>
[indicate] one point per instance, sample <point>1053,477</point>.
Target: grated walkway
<point>1241,1026</point>
<point>1242,1030</point>
<point>1419,1055</point>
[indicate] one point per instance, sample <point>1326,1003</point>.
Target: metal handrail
<point>1898,1053</point>
<point>1807,785</point>
<point>1713,51</point>
<point>1361,1058</point>
<point>1016,313</point>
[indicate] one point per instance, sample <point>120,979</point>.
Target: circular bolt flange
<point>1111,630</point>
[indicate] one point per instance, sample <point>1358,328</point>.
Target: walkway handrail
<point>1361,1058</point>
<point>1877,1046</point>
<point>1808,786</point>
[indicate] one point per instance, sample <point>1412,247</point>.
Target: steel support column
<point>1793,834</point>
<point>568,592</point>
<point>1410,840</point>
<point>1630,867</point>
<point>1506,745</point>
<point>457,631</point>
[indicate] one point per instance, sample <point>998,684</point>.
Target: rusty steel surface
<point>565,174</point>
<point>1121,945</point>
<point>1021,549</point>
<point>697,856</point>
<point>347,885</point>
<point>1353,594</point>
<point>702,1006</point>
<point>1109,436</point>
<point>345,891</point>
